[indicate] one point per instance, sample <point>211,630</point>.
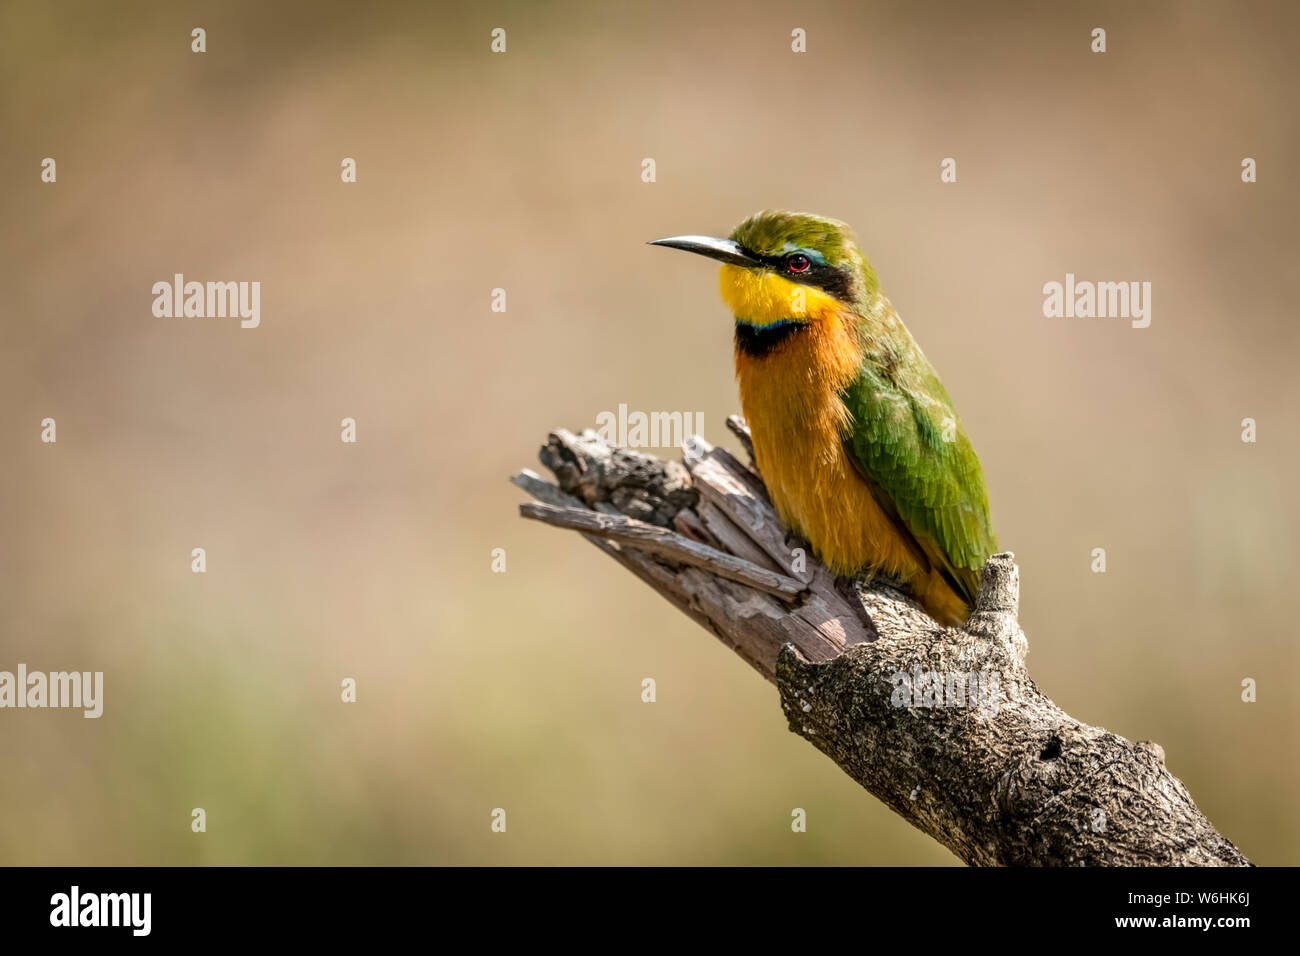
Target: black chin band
<point>758,341</point>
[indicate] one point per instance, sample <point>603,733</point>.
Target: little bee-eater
<point>854,435</point>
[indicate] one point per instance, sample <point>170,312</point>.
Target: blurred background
<point>522,171</point>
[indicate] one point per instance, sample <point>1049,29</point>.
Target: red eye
<point>798,263</point>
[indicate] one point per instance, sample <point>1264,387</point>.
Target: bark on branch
<point>942,724</point>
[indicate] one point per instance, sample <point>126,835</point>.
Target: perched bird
<point>854,434</point>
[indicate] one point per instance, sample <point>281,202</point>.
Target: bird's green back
<point>907,442</point>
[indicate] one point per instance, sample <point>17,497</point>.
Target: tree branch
<point>942,724</point>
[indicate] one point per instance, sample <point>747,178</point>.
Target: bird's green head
<point>786,267</point>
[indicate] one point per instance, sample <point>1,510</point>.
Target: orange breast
<point>791,400</point>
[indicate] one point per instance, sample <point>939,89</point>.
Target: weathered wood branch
<point>942,724</point>
<point>655,540</point>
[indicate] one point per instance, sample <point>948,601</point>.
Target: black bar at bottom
<point>331,905</point>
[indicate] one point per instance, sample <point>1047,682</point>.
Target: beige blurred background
<point>522,171</point>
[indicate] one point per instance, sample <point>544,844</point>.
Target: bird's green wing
<point>909,446</point>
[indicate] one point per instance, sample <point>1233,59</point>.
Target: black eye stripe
<point>829,279</point>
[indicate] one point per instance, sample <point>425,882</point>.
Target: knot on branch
<point>997,606</point>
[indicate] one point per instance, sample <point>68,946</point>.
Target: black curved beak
<point>724,250</point>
